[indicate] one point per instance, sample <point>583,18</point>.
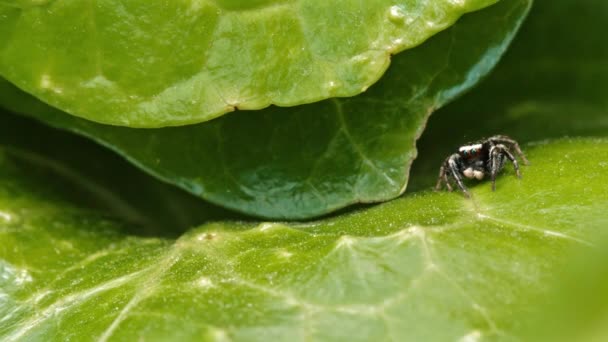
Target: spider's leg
<point>506,140</point>
<point>506,152</point>
<point>443,176</point>
<point>493,166</point>
<point>447,182</point>
<point>456,174</point>
<point>496,154</point>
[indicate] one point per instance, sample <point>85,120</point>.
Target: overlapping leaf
<point>101,180</point>
<point>158,63</point>
<point>428,266</point>
<point>551,83</point>
<point>313,159</point>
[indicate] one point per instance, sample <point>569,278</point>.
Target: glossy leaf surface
<point>166,63</point>
<point>427,266</point>
<point>310,160</point>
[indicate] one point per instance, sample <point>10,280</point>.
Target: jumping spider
<point>476,159</point>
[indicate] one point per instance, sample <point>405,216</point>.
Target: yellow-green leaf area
<point>426,267</point>
<point>166,63</point>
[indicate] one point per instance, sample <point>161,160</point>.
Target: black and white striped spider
<point>475,160</point>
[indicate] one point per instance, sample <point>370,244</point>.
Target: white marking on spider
<point>470,147</point>
<point>478,174</point>
<point>469,173</point>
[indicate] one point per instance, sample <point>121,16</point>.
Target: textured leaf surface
<point>431,266</point>
<point>158,63</point>
<point>313,159</point>
<point>428,266</point>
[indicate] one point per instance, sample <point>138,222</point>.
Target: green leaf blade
<point>427,266</point>
<point>431,266</point>
<point>143,64</point>
<point>302,162</point>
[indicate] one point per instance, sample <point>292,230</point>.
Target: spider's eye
<point>473,151</point>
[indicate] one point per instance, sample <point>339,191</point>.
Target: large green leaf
<point>432,266</point>
<point>157,63</point>
<point>310,160</point>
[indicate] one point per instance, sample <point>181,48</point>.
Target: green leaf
<point>577,307</point>
<point>158,63</point>
<point>310,160</point>
<point>101,180</point>
<point>551,83</point>
<point>431,266</point>
<point>428,266</point>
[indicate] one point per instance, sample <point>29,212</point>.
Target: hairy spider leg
<point>447,182</point>
<point>506,140</point>
<point>456,173</point>
<point>496,154</point>
<point>443,177</point>
<point>493,166</point>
